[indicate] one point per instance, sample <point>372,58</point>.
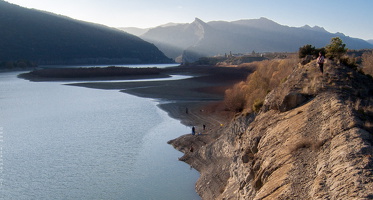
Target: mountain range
<point>47,38</point>
<point>189,41</point>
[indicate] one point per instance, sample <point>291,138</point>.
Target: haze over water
<point>67,142</point>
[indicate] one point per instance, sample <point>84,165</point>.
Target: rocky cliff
<point>312,139</point>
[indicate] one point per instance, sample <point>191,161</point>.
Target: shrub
<point>367,63</point>
<point>309,50</point>
<point>306,50</point>
<point>349,61</point>
<point>258,103</point>
<point>336,49</point>
<point>249,95</point>
<point>235,98</point>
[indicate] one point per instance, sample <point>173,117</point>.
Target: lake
<point>66,142</point>
<point>117,65</point>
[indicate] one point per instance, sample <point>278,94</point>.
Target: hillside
<point>46,38</point>
<point>312,139</point>
<point>243,36</point>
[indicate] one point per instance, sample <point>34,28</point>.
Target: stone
<point>292,100</point>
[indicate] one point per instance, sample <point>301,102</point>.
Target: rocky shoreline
<point>315,147</point>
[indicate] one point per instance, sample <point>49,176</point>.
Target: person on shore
<point>204,127</point>
<point>193,130</point>
<point>320,62</point>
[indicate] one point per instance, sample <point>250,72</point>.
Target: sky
<point>351,17</point>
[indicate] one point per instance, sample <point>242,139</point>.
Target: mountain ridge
<point>241,36</point>
<point>48,38</point>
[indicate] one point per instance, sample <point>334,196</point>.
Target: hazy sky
<point>351,17</point>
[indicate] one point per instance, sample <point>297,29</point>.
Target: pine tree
<point>336,49</point>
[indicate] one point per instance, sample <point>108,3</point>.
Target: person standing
<point>193,130</point>
<point>320,62</point>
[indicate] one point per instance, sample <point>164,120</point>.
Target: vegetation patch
<point>367,62</point>
<point>249,95</point>
<point>94,72</point>
<point>20,64</point>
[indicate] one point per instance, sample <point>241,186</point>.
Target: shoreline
<point>195,101</point>
<point>201,94</point>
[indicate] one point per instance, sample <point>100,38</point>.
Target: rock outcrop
<point>311,140</point>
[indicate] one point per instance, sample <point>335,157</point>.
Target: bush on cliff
<point>247,96</point>
<point>367,63</point>
<point>336,49</point>
<point>309,50</point>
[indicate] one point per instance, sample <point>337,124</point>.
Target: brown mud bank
<point>198,92</point>
<point>193,100</point>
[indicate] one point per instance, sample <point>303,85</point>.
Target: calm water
<point>66,142</point>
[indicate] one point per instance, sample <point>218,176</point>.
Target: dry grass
<point>307,143</point>
<point>368,125</point>
<point>303,143</point>
<point>268,75</point>
<point>368,62</point>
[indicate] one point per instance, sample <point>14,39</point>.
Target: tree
<point>336,49</point>
<point>310,50</point>
<point>306,50</point>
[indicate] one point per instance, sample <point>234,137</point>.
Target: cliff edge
<point>312,139</point>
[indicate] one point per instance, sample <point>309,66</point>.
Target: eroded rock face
<point>291,100</point>
<point>311,152</point>
<point>312,140</point>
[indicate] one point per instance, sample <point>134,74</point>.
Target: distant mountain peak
<point>265,19</point>
<point>340,34</point>
<point>198,20</point>
<point>319,28</point>
<point>315,28</point>
<point>199,28</point>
